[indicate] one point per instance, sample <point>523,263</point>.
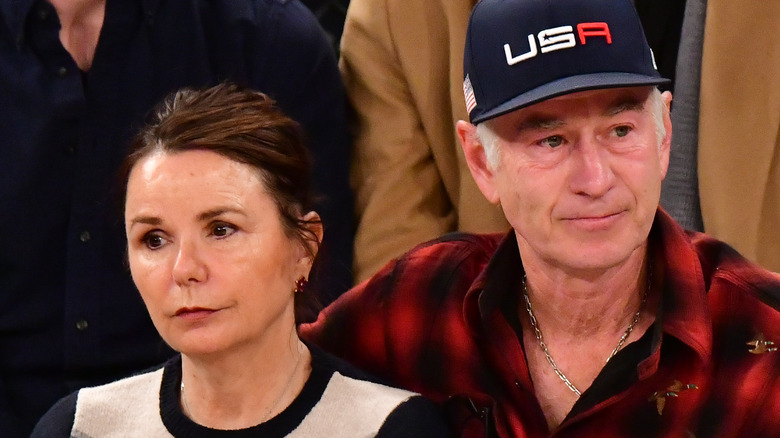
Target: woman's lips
<point>194,313</point>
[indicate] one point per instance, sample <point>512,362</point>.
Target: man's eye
<point>153,240</point>
<point>222,230</point>
<point>622,131</point>
<point>553,141</point>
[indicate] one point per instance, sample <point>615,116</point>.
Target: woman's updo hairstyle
<point>247,127</point>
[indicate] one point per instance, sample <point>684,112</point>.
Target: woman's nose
<point>189,267</point>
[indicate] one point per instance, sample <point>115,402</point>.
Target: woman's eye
<point>553,141</point>
<point>222,229</point>
<point>153,240</point>
<point>622,131</point>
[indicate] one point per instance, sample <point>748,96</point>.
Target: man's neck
<point>581,317</point>
<point>81,22</point>
<point>581,303</point>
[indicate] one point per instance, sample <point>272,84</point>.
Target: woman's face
<point>209,253</point>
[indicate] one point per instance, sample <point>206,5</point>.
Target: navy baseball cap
<point>521,52</point>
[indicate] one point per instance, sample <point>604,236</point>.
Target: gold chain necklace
<point>268,412</point>
<point>543,345</point>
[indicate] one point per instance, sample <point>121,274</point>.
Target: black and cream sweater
<point>336,401</point>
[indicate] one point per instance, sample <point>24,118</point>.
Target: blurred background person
<point>724,170</point>
<point>402,67</point>
<point>221,238</point>
<point>76,80</point>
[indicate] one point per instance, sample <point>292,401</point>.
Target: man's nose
<point>591,170</point>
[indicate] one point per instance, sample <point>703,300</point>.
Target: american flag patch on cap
<point>468,93</point>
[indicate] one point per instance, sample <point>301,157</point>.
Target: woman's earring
<point>300,284</point>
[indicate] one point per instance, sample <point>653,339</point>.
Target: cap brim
<point>571,84</point>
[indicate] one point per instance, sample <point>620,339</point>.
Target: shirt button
<point>85,236</point>
<point>70,150</point>
<point>82,325</point>
<point>43,14</point>
<point>62,72</point>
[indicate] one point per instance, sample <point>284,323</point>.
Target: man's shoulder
<point>448,263</point>
<point>243,17</point>
<point>726,271</point>
<point>457,247</point>
<point>406,299</point>
<point>265,11</point>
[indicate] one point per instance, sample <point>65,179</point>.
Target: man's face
<point>579,176</point>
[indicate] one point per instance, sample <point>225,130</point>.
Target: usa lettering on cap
<point>521,52</point>
<point>557,38</point>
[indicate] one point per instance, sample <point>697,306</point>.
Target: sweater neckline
<point>178,424</point>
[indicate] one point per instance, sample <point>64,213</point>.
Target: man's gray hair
<point>489,140</point>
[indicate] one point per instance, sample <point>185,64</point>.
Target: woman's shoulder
<point>116,405</point>
<point>362,404</point>
<point>58,421</point>
<point>417,417</point>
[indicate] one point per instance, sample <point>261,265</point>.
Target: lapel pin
<point>761,345</point>
<point>659,397</point>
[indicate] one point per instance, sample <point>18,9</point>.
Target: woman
<point>220,243</point>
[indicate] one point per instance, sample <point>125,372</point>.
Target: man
<point>596,315</point>
<point>76,80</point>
<point>402,64</point>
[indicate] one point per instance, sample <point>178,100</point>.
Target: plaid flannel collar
<point>675,260</point>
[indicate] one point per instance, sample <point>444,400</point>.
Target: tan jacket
<point>739,127</point>
<point>402,63</point>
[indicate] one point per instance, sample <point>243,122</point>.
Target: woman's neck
<point>243,390</point>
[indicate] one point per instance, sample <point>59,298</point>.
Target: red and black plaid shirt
<point>440,320</point>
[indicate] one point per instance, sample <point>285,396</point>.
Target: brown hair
<point>247,127</point>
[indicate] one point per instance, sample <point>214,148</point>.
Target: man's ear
<point>480,168</point>
<point>666,143</point>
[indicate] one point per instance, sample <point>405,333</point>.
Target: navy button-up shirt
<point>69,313</point>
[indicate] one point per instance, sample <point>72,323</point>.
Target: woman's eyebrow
<point>146,220</point>
<point>215,212</point>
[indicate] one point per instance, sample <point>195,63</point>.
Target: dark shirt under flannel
<point>438,320</point>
